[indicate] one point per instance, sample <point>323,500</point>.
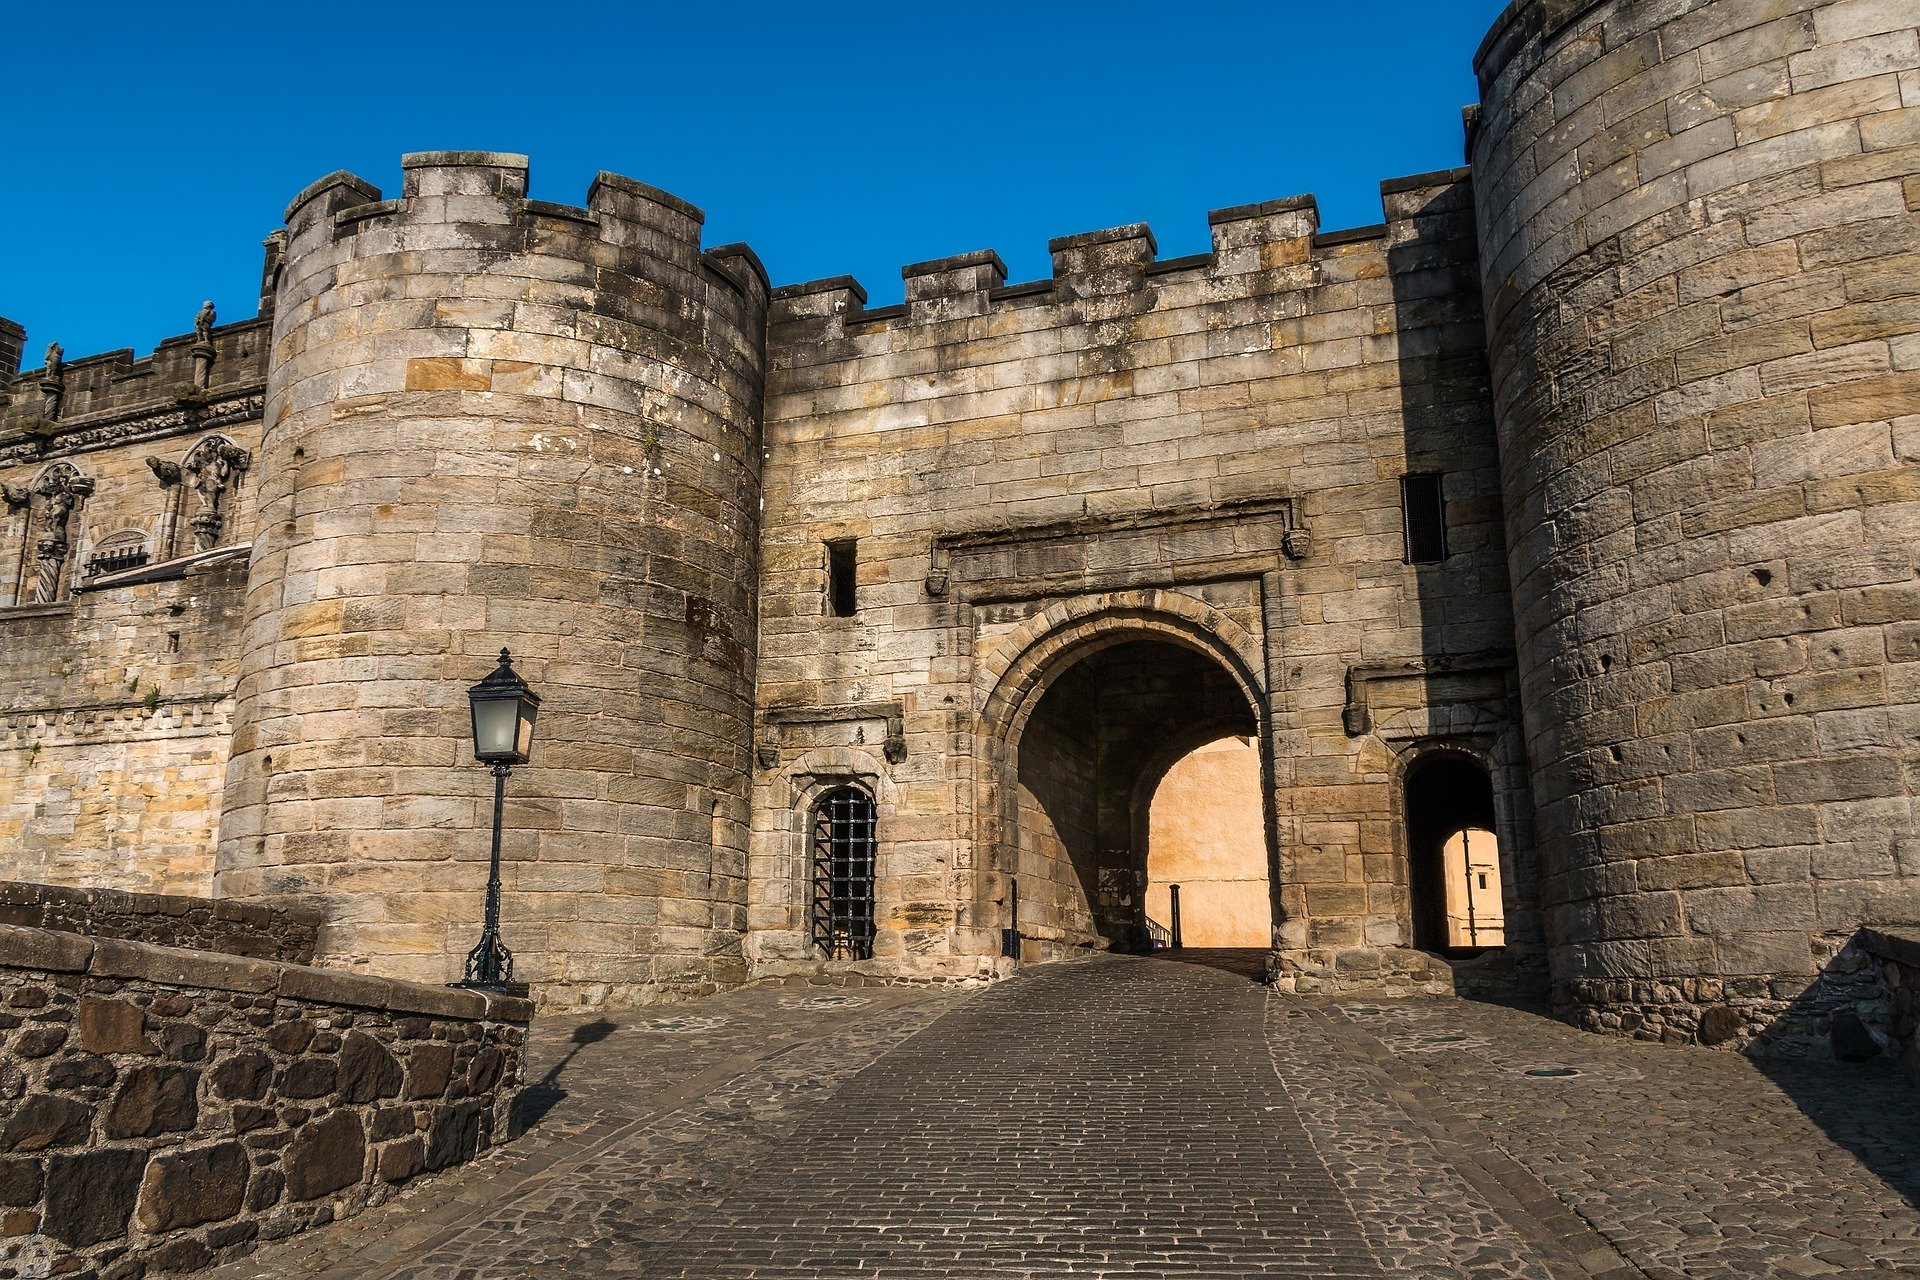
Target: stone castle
<point>1576,504</point>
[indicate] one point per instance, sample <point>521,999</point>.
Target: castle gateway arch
<point>1078,735</point>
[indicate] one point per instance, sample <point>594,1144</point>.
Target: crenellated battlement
<point>1272,246</point>
<point>1520,24</point>
<point>114,383</point>
<point>488,188</point>
<point>637,229</point>
<point>476,202</point>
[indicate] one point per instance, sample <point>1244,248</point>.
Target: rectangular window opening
<point>841,566</point>
<point>1425,510</point>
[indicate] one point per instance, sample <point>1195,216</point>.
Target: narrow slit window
<point>842,563</point>
<point>1425,510</point>
<point>844,847</point>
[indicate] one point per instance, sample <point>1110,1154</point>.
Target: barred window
<point>844,846</point>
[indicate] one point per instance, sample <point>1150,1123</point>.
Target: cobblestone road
<point>1122,1117</point>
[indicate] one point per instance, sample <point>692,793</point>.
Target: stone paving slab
<point>1141,1117</point>
<point>1690,1162</point>
<point>1384,1163</point>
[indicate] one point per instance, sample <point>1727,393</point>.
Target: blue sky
<point>157,144</point>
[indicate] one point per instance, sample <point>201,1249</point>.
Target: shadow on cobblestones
<point>544,1094</point>
<point>1249,963</point>
<point>1690,1162</point>
<point>1866,1108</point>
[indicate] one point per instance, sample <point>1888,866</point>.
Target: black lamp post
<point>504,710</point>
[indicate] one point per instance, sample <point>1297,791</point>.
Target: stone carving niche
<point>52,502</point>
<point>201,487</point>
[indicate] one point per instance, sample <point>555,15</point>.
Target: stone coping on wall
<point>263,932</point>
<point>1495,973</point>
<point>966,971</point>
<point>1898,943</point>
<point>57,951</point>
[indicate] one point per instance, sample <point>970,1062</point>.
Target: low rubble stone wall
<point>1899,955</point>
<point>162,1109</point>
<point>208,924</point>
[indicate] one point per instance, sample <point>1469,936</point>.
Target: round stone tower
<point>495,422</point>
<point>1698,235</point>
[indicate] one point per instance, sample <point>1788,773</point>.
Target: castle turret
<point>1706,358</point>
<point>491,422</point>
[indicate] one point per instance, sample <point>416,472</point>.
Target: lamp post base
<point>518,990</point>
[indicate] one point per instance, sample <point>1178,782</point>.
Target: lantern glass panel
<point>527,708</point>
<point>497,729</point>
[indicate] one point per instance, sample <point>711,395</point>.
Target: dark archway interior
<point>1102,726</point>
<point>1445,794</point>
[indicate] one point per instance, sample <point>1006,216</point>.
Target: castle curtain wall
<point>1221,436</point>
<point>116,700</point>
<point>1652,363</point>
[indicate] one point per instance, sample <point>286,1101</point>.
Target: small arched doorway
<point>1455,887</point>
<point>1108,723</point>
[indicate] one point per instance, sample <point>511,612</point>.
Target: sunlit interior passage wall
<point>1470,869</point>
<point>1206,835</point>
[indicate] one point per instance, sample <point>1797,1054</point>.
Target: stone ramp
<point>1109,1117</point>
<point>1149,1117</point>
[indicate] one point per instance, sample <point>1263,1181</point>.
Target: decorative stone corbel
<point>937,572</point>
<point>1356,718</point>
<point>768,749</point>
<point>15,496</point>
<point>1297,543</point>
<point>896,744</point>
<point>167,473</point>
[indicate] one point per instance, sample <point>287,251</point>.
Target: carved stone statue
<point>53,382</point>
<point>15,496</point>
<point>213,467</point>
<point>203,346</point>
<point>59,509</point>
<point>167,473</point>
<point>211,476</point>
<point>60,491</point>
